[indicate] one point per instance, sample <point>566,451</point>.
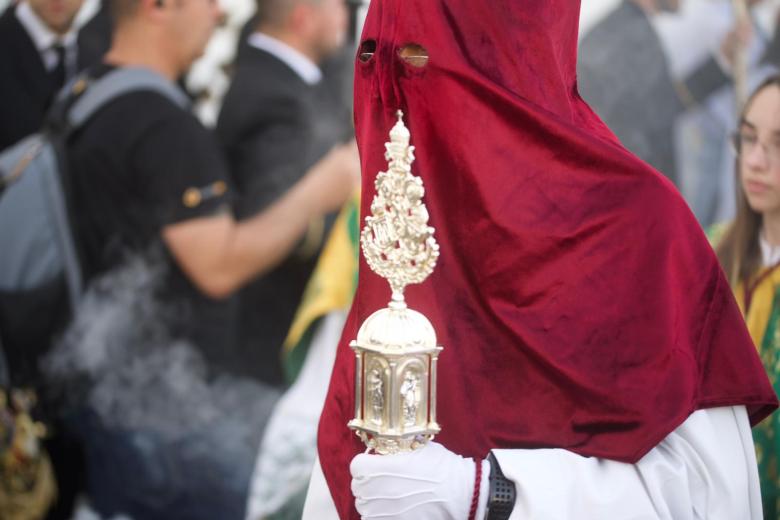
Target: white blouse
<point>770,255</point>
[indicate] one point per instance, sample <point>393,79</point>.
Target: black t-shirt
<point>142,163</point>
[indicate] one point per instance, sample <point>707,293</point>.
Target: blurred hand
<point>735,41</point>
<point>335,178</point>
<point>431,483</point>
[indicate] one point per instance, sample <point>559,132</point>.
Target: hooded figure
<point>591,340</point>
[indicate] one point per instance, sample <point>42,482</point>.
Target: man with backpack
<point>146,177</point>
<point>142,172</point>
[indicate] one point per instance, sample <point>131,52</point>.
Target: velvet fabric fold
<point>578,301</point>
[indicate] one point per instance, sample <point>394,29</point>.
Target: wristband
<point>502,494</point>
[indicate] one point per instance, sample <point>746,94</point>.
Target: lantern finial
<point>397,242</point>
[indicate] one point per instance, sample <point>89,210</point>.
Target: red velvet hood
<point>576,297</point>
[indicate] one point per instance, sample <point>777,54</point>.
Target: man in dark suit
<point>40,49</point>
<point>284,111</point>
<point>623,73</point>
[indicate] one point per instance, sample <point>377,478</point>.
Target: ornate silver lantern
<point>395,350</point>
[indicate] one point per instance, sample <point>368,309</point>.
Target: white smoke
<point>137,376</point>
<point>118,362</point>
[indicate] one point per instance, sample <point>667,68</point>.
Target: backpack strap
<point>53,186</point>
<point>92,95</point>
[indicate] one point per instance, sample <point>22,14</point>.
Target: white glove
<point>431,483</point>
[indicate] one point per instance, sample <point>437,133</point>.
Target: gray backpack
<point>39,264</point>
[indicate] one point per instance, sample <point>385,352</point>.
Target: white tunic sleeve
<point>705,469</point>
<point>319,503</point>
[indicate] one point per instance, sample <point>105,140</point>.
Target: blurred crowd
<point>214,218</point>
<point>195,244</point>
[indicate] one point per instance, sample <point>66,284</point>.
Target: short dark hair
<point>273,13</point>
<point>121,9</point>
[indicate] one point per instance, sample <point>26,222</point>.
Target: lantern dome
<point>397,330</point>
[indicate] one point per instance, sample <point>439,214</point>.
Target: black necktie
<point>58,72</point>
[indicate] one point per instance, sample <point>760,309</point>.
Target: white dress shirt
<point>45,40</point>
<point>705,469</point>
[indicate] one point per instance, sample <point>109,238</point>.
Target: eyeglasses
<point>745,143</point>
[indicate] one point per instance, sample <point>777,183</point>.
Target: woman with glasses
<point>749,250</point>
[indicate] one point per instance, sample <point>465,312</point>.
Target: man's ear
<point>154,8</point>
